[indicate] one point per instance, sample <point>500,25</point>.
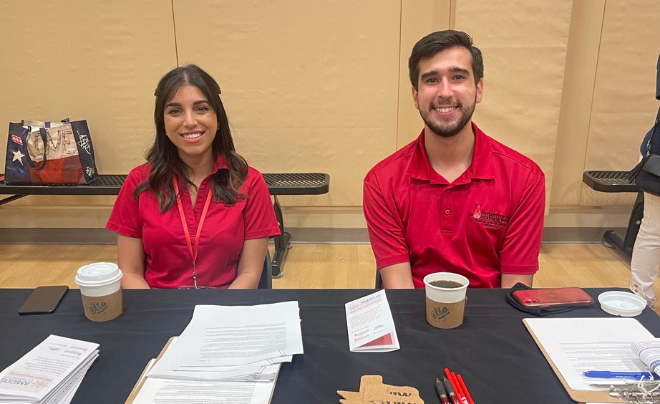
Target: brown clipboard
<point>141,379</point>
<point>579,396</point>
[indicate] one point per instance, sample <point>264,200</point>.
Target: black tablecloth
<point>497,357</point>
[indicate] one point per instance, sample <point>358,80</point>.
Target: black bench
<point>619,181</point>
<point>278,184</point>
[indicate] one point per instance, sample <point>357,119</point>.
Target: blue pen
<point>628,375</point>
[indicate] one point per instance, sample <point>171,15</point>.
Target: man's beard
<point>451,129</point>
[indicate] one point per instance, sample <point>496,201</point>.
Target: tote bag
<point>45,153</point>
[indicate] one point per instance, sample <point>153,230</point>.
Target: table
<point>497,357</point>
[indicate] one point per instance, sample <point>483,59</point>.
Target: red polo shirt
<point>487,222</point>
<point>167,259</point>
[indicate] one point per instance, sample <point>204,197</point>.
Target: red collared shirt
<point>167,260</point>
<point>487,222</point>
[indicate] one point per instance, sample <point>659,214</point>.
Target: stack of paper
<point>370,324</point>
<point>50,373</point>
<point>226,352</point>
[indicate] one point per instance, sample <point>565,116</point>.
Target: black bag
<point>647,172</point>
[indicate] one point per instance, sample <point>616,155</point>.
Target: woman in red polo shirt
<point>196,215</point>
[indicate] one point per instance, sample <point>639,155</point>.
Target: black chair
<point>379,280</point>
<point>266,280</point>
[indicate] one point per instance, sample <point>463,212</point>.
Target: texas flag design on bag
<point>50,153</point>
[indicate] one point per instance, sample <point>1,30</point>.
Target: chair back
<point>379,280</point>
<point>266,280</point>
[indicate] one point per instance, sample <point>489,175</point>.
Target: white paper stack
<point>50,373</point>
<point>370,324</point>
<point>226,353</point>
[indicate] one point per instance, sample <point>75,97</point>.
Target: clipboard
<point>141,379</point>
<point>579,396</point>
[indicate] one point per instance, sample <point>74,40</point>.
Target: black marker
<point>450,390</point>
<point>440,389</point>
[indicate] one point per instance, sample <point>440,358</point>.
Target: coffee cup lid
<point>98,274</point>
<point>623,304</point>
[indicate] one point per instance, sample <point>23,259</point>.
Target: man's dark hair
<point>438,41</point>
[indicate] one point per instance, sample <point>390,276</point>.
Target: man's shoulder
<point>394,163</point>
<point>512,160</point>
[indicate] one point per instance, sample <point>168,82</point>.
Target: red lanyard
<point>193,251</point>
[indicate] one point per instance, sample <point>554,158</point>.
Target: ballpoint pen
<point>450,391</point>
<point>627,375</point>
<point>440,389</point>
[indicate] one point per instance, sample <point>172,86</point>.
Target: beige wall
<point>323,86</point>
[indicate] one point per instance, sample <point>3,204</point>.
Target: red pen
<point>440,389</point>
<point>459,390</point>
<point>465,390</point>
<point>450,391</point>
<point>453,383</point>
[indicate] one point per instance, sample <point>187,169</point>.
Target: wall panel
<point>577,99</point>
<point>309,86</point>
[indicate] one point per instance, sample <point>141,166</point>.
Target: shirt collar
<point>220,163</point>
<point>480,168</point>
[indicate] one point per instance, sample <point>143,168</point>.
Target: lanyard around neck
<point>193,251</point>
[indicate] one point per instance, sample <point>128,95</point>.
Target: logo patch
<point>16,140</point>
<point>491,220</point>
<point>440,314</point>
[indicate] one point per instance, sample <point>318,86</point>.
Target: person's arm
<point>397,276</point>
<point>387,236</point>
<point>250,264</point>
<point>131,262</point>
<point>508,280</point>
<point>519,256</point>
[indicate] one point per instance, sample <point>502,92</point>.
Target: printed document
<point>207,392</point>
<point>370,324</point>
<point>577,345</point>
<point>241,335</point>
<point>167,368</point>
<point>50,373</point>
<point>226,355</point>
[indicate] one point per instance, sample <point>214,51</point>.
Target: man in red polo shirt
<point>454,200</point>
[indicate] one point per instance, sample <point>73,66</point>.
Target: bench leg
<point>11,198</point>
<point>282,243</point>
<point>625,246</point>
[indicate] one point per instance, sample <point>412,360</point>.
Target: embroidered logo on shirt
<point>492,220</point>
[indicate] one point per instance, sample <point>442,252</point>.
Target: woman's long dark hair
<point>163,154</point>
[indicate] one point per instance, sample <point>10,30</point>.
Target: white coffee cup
<point>445,306</point>
<point>100,287</point>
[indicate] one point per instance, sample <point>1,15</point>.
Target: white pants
<point>646,253</point>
